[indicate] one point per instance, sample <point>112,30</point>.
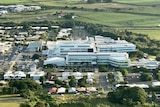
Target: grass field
<point>139,2</point>
<point>153,34</point>
<point>10,100</point>
<point>119,13</point>
<point>9,104</point>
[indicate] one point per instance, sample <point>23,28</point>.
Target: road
<point>14,62</point>
<point>102,81</point>
<point>51,33</point>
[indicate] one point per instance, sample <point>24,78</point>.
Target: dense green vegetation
<point>128,96</point>
<point>18,86</point>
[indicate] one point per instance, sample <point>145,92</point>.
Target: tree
<point>35,56</point>
<point>128,96</point>
<point>72,82</point>
<point>146,77</point>
<point>39,104</point>
<point>24,84</point>
<point>26,93</point>
<point>91,1</point>
<point>42,79</point>
<point>82,82</point>
<point>158,57</point>
<point>103,68</point>
<point>25,105</point>
<point>59,82</point>
<point>124,72</point>
<point>158,76</point>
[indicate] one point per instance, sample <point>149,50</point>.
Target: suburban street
<point>102,81</point>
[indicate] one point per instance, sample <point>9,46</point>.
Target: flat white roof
<point>157,83</point>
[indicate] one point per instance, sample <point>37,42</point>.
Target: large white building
<point>105,44</point>
<point>146,63</point>
<point>113,58</point>
<point>97,50</point>
<point>63,47</point>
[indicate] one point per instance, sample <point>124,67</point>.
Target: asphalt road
<point>51,33</point>
<point>102,81</point>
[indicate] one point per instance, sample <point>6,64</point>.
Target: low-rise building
<point>5,46</point>
<point>34,46</point>
<point>61,90</point>
<point>15,75</point>
<point>58,61</point>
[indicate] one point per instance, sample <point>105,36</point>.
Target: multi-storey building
<point>113,58</point>
<point>98,50</point>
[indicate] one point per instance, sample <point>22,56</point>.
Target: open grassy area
<point>153,34</point>
<point>9,104</point>
<point>104,18</point>
<point>139,2</point>
<point>10,100</point>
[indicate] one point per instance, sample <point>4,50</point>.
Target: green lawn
<point>4,98</point>
<point>153,34</point>
<point>17,1</point>
<point>9,104</point>
<point>139,2</point>
<point>118,19</point>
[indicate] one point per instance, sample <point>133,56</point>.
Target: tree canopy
<point>128,96</point>
<point>146,77</point>
<point>24,84</point>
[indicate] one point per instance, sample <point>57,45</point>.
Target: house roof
<point>81,89</point>
<point>53,90</point>
<point>91,89</point>
<point>61,90</point>
<point>156,83</point>
<point>72,90</point>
